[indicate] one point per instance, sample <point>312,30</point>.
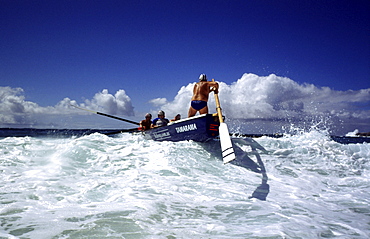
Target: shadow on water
<point>244,160</point>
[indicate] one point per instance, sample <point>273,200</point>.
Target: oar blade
<point>226,145</point>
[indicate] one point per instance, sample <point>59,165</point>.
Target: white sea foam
<point>129,187</point>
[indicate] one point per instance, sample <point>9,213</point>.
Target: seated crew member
<point>161,120</point>
<point>177,117</point>
<point>147,122</point>
<point>201,92</point>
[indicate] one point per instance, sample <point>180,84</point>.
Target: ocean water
<point>96,186</point>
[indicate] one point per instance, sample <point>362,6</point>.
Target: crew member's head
<point>148,116</point>
<point>161,113</point>
<point>202,77</point>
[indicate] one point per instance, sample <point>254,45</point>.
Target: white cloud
<point>119,104</point>
<point>158,102</point>
<point>273,97</point>
<point>268,98</point>
<point>65,105</point>
<point>13,107</point>
<point>16,111</point>
<point>180,103</point>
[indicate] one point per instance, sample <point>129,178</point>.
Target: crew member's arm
<point>214,87</point>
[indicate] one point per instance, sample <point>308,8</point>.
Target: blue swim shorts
<point>198,104</point>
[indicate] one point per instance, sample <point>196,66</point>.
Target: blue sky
<point>150,49</point>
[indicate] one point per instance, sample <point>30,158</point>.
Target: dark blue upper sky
<point>58,49</point>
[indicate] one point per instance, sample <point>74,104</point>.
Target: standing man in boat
<point>200,95</point>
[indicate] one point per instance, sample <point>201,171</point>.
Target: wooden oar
<point>226,145</point>
<point>111,116</point>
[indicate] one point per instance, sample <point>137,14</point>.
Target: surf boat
<point>200,128</point>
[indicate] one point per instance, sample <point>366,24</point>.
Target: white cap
<point>202,77</point>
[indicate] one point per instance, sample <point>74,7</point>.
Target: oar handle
<point>218,106</point>
<point>118,118</point>
<point>111,116</point>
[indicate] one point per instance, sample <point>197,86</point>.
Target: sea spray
<point>129,187</point>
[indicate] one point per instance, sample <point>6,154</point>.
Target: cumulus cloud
<point>251,98</point>
<point>119,103</point>
<point>180,103</point>
<point>158,101</point>
<point>16,111</point>
<point>12,100</point>
<point>13,107</point>
<point>278,98</point>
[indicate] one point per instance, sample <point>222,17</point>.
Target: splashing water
<point>128,187</point>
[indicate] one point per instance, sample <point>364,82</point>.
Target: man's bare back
<point>202,89</point>
<point>201,92</point>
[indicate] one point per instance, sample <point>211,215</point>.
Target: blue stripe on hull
<point>199,128</point>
